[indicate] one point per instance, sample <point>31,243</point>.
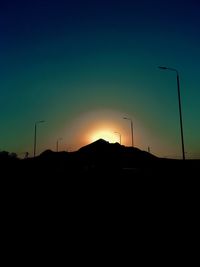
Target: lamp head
<point>162,68</point>
<point>166,68</point>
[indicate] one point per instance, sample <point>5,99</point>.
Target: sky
<point>84,65</point>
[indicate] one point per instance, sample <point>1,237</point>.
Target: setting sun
<point>106,135</point>
<point>100,124</point>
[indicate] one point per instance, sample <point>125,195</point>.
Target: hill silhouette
<point>104,155</point>
<point>100,157</point>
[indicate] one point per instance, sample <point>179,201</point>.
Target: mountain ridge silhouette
<point>100,147</point>
<point>99,157</point>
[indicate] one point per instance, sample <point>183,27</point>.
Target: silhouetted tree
<point>5,155</point>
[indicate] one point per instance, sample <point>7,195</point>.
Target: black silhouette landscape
<point>98,158</point>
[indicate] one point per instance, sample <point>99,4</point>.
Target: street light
<point>120,137</point>
<point>59,139</point>
<point>131,129</point>
<point>35,135</point>
<point>179,104</point>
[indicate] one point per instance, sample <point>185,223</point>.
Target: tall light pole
<point>179,104</point>
<point>131,129</point>
<point>35,136</point>
<point>59,139</point>
<point>120,137</point>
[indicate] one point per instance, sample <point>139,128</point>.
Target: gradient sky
<point>83,65</point>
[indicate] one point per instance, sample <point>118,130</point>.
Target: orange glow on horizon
<point>93,126</point>
<point>107,135</point>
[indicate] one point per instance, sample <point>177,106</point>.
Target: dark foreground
<point>88,192</point>
<point>59,168</point>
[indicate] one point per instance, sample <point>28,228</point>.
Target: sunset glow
<point>95,125</point>
<point>106,135</point>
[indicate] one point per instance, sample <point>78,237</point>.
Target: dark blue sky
<point>63,60</point>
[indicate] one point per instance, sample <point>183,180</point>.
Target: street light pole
<point>179,104</point>
<point>120,137</point>
<point>180,115</point>
<point>132,133</point>
<point>57,143</point>
<point>35,136</point>
<point>131,130</point>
